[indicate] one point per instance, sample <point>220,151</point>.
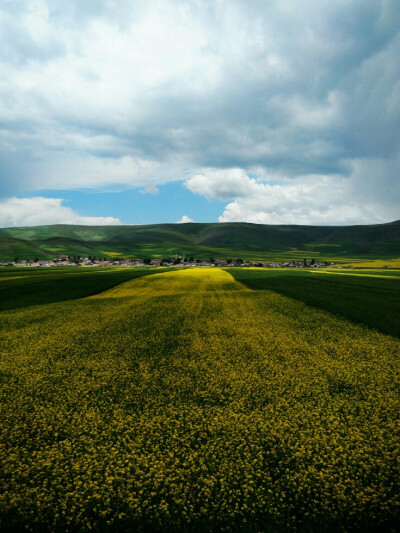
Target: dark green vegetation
<point>228,240</point>
<point>22,287</point>
<point>368,297</point>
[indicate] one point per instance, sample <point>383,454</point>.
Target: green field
<point>190,401</point>
<point>221,240</point>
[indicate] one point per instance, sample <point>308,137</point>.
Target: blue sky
<point>175,110</point>
<point>132,204</point>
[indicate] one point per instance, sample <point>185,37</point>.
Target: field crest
<point>175,282</point>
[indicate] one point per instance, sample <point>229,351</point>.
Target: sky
<point>154,111</point>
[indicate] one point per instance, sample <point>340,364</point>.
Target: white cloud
<point>145,93</point>
<point>73,171</point>
<point>149,189</point>
<point>185,219</point>
<point>40,211</point>
<point>317,200</point>
<point>223,184</point>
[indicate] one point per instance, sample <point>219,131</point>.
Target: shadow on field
<point>30,288</point>
<point>374,302</point>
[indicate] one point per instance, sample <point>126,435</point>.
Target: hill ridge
<point>205,239</point>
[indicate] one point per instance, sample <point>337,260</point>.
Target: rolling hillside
<point>238,239</point>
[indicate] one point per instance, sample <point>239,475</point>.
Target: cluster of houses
<point>177,261</point>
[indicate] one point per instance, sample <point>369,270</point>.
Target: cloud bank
<point>304,102</point>
<point>316,200</point>
<point>39,211</point>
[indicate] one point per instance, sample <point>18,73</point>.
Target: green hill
<point>222,240</point>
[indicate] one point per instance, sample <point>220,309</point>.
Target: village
<point>78,261</point>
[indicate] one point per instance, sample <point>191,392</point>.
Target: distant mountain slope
<point>236,239</point>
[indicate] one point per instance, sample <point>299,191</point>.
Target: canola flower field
<point>186,401</point>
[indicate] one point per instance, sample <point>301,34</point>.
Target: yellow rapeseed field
<point>183,401</point>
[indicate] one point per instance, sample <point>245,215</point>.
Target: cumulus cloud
<point>40,211</point>
<point>220,184</point>
<point>145,93</point>
<point>185,219</point>
<point>317,200</point>
<point>70,170</point>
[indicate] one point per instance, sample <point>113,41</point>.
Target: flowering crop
<point>184,401</point>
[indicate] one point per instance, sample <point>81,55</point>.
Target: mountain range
<point>220,240</point>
